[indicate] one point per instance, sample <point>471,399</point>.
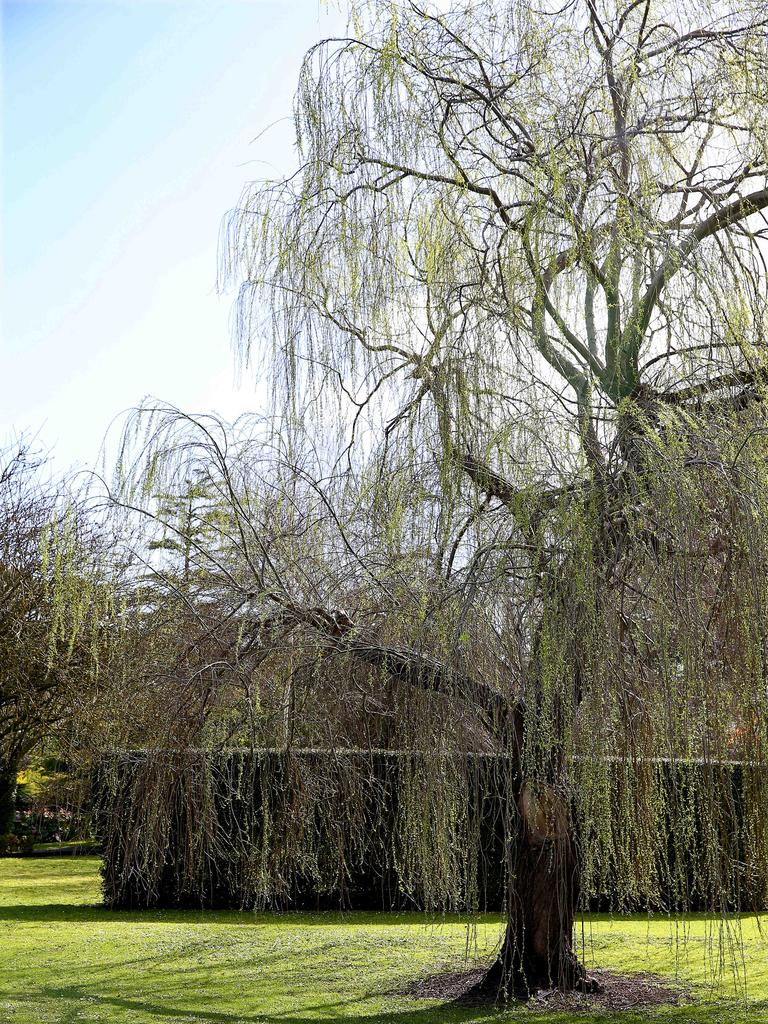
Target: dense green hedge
<point>322,829</point>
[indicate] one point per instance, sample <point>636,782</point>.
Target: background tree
<point>514,299</point>
<point>53,605</point>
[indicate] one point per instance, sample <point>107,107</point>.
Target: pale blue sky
<point>127,134</point>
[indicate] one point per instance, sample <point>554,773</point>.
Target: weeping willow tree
<point>513,305</point>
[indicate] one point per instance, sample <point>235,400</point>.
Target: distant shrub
<point>14,846</point>
<point>50,801</point>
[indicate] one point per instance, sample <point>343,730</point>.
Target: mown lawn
<point>63,959</point>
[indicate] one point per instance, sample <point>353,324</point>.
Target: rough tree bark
<point>543,866</point>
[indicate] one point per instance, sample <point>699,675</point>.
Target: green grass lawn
<point>64,959</point>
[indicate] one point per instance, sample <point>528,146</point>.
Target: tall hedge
<point>363,830</point>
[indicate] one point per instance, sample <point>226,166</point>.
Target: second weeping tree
<point>514,305</point>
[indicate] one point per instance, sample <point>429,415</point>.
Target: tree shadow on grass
<point>329,1012</point>
<point>32,912</point>
<point>69,1003</point>
<point>85,912</point>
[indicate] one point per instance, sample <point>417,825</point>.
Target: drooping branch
<point>403,664</point>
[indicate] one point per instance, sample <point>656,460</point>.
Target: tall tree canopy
<point>513,302</point>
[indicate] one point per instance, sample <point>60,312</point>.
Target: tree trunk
<point>7,797</point>
<point>543,892</point>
